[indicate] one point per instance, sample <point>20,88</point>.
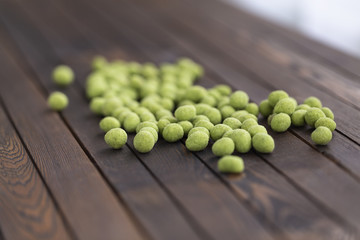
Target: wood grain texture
<point>27,210</point>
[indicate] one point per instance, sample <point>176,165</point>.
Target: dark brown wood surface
<point>59,180</point>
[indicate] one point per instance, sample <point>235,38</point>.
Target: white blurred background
<point>334,22</point>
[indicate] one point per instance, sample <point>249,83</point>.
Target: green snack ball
<point>185,113</point>
<point>321,135</point>
<point>131,121</point>
<point>280,122</point>
<point>265,108</point>
<point>206,124</point>
<point>276,96</point>
<point>312,115</point>
<point>232,122</point>
<point>201,108</point>
<point>245,117</point>
<point>98,62</point>
<point>298,118</point>
<point>197,141</point>
<point>218,131</point>
<point>238,114</point>
<point>302,107</point>
<point>147,124</point>
<point>263,143</point>
<point>121,117</point>
<point>226,111</point>
<point>248,124</point>
<point>170,118</point>
<point>257,129</point>
<point>202,129</point>
<point>152,131</point>
<point>96,105</point>
<point>231,164</point>
<point>118,110</point>
<point>110,105</point>
<point>326,122</point>
<point>214,115</point>
<point>116,138</point>
<point>328,112</point>
<point>252,108</point>
<point>195,93</point>
<point>223,89</point>
<point>147,116</point>
<point>313,102</point>
<point>222,147</point>
<point>58,101</point>
<point>285,105</point>
<point>200,117</point>
<point>186,125</point>
<point>63,75</point>
<point>241,138</point>
<point>167,103</point>
<point>162,113</point>
<point>173,132</point>
<point>108,123</point>
<point>209,100</point>
<point>162,123</point>
<point>144,141</point>
<point>224,101</point>
<point>239,100</point>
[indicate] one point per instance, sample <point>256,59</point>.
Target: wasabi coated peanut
<point>147,116</point>
<point>63,75</point>
<point>280,122</point>
<point>285,105</point>
<point>195,93</point>
<point>244,117</point>
<point>222,147</point>
<point>232,122</point>
<point>58,101</point>
<point>298,118</point>
<point>276,96</point>
<point>231,164</point>
<point>214,115</point>
<point>328,112</point>
<point>248,124</point>
<point>242,140</point>
<point>200,117</point>
<point>186,125</point>
<point>239,100</point>
<point>162,123</point>
<point>263,143</point>
<point>206,124</point>
<point>321,135</point>
<point>270,118</point>
<point>302,107</point>
<point>312,115</point>
<point>147,124</point>
<point>313,102</point>
<point>152,131</point>
<point>131,121</point>
<point>209,100</point>
<point>116,138</point>
<point>265,108</point>
<point>223,89</point>
<point>201,108</point>
<point>257,129</point>
<point>201,129</point>
<point>96,105</point>
<point>144,141</point>
<point>185,113</point>
<point>121,117</point>
<point>197,141</point>
<point>173,132</point>
<point>108,123</point>
<point>252,108</point>
<point>226,111</point>
<point>326,122</point>
<point>118,110</point>
<point>110,105</point>
<point>218,131</point>
<point>98,62</point>
<point>239,114</point>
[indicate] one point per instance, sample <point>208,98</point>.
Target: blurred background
<point>333,22</point>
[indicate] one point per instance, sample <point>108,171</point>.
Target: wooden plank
<point>310,152</point>
<point>27,211</point>
<point>87,202</point>
<point>134,184</point>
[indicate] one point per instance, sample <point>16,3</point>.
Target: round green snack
<point>110,105</point>
<point>224,146</point>
<point>108,123</point>
<point>162,123</point>
<point>96,105</point>
<point>206,124</point>
<point>116,138</point>
<point>185,113</point>
<point>263,143</point>
<point>328,112</point>
<point>252,108</point>
<point>298,118</point>
<point>239,99</point>
<point>312,115</point>
<point>223,89</point>
<point>231,164</point>
<point>147,124</point>
<point>201,129</point>
<point>152,131</point>
<point>173,132</point>
<point>270,118</point>
<point>58,101</point>
<point>218,131</point>
<point>248,124</point>
<point>265,108</point>
<point>257,129</point>
<point>214,115</point>
<point>245,117</point>
<point>197,141</point>
<point>186,125</point>
<point>276,96</point>
<point>63,75</point>
<point>232,122</point>
<point>313,102</point>
<point>280,122</point>
<point>200,117</point>
<point>242,140</point>
<point>131,121</point>
<point>285,105</point>
<point>302,107</point>
<point>201,108</point>
<point>226,111</point>
<point>195,93</point>
<point>321,135</point>
<point>326,122</point>
<point>144,141</point>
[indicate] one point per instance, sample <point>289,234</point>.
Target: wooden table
<point>59,180</point>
